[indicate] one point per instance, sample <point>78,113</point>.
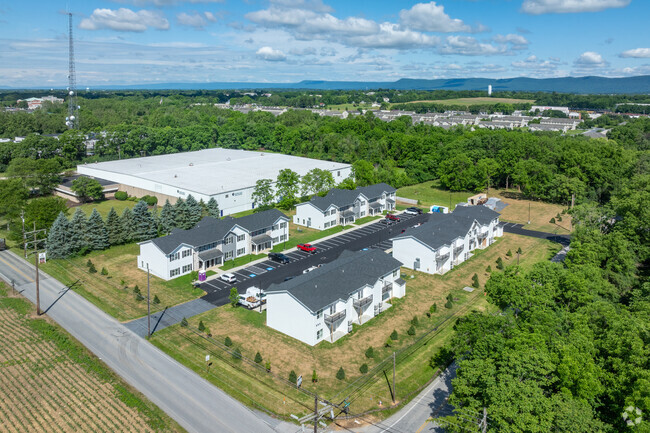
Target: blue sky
<point>147,41</point>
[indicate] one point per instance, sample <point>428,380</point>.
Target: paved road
<point>262,275</point>
<point>169,316</point>
<point>193,402</point>
<point>519,229</point>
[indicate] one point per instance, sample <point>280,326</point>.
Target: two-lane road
<point>193,402</point>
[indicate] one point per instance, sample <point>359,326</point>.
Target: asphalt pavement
<point>193,402</point>
<point>519,229</point>
<point>267,272</point>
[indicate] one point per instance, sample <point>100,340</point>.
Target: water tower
<point>489,89</point>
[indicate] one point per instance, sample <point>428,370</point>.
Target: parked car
<point>228,278</point>
<point>279,257</point>
<point>308,248</point>
<point>252,298</point>
<point>413,210</point>
<point>392,217</point>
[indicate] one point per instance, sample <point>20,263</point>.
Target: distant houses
<point>342,206</point>
<point>212,242</point>
<point>323,304</point>
<point>447,240</point>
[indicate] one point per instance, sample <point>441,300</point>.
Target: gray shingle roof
<point>210,229</point>
<point>338,279</point>
<point>345,197</point>
<point>443,229</point>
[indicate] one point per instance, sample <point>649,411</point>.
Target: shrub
<point>227,342</point>
<point>552,221</point>
<point>201,326</point>
<point>136,289</point>
<point>122,282</point>
<point>509,253</point>
<point>559,218</point>
<point>139,297</point>
<point>104,271</point>
<point>388,343</point>
<point>314,377</point>
<point>258,358</point>
<point>150,200</point>
<point>370,352</point>
<point>340,375</point>
<point>475,282</point>
<point>236,353</point>
<point>519,251</point>
<point>121,195</point>
<point>89,263</point>
<point>500,263</point>
<point>267,366</point>
<point>293,377</point>
<point>92,269</point>
<point>393,335</point>
<point>415,321</point>
<point>411,330</point>
<point>488,269</point>
<point>184,323</point>
<point>194,275</point>
<point>449,304</point>
<point>364,368</point>
<point>433,308</point>
<point>156,300</point>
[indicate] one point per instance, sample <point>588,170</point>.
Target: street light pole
<point>148,307</point>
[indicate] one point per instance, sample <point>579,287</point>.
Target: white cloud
<point>163,3</point>
<point>469,46</point>
<point>124,20</point>
<point>518,42</point>
<point>430,17</point>
<point>210,16</point>
<point>538,7</point>
<point>270,54</point>
<point>537,67</point>
<point>637,53</point>
<point>196,20</point>
<point>590,60</point>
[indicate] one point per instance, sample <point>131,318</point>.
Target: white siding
<point>308,215</point>
<point>285,314</point>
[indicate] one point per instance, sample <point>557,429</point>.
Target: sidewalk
<point>260,260</point>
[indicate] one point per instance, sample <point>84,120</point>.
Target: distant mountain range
<point>586,85</point>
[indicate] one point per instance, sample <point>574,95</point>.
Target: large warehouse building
<point>228,175</point>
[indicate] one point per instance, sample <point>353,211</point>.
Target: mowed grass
<point>50,382</point>
<point>104,206</point>
<point>429,194</point>
<point>247,331</point>
<point>541,213</point>
<point>113,293</point>
<point>483,100</point>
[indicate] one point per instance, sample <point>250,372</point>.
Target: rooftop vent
<point>191,164</point>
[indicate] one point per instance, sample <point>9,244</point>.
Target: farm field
<point>50,383</point>
<point>248,333</point>
<point>475,101</point>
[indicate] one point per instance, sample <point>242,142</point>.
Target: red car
<point>392,217</point>
<point>308,248</point>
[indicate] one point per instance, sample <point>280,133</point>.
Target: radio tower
<point>72,121</point>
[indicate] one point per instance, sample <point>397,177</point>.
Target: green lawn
<point>429,193</point>
<point>241,261</point>
<point>303,235</point>
<point>367,219</point>
<point>104,206</point>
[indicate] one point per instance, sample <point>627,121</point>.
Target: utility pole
<point>22,217</point>
<point>36,241</point>
<point>394,391</point>
<point>316,414</point>
<point>148,307</point>
<point>528,212</point>
<point>483,423</point>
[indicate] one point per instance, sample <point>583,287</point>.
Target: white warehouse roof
<point>209,171</point>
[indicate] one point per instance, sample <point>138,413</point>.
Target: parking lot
<point>267,272</point>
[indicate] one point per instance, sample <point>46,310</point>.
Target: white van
<point>228,278</point>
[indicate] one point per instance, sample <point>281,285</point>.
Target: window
<point>241,251</point>
<point>229,240</point>
<point>283,238</point>
<point>174,256</point>
<point>241,238</point>
<point>283,225</point>
<point>363,212</point>
<point>187,253</point>
<point>395,274</point>
<point>174,272</point>
<point>319,314</point>
<point>327,224</point>
<point>319,334</point>
<point>228,255</point>
<point>338,173</point>
<point>275,240</point>
<point>333,212</point>
<point>275,227</point>
<point>187,268</point>
<point>237,194</point>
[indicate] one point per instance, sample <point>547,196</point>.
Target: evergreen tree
<point>181,215</point>
<point>127,225</point>
<point>77,232</point>
<point>340,375</point>
<point>57,238</point>
<point>293,377</point>
<point>213,208</point>
<point>258,357</point>
<point>114,228</point>
<point>96,234</point>
<point>143,222</point>
<point>370,352</point>
<point>166,220</point>
<point>194,211</point>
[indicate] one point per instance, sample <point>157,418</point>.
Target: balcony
<point>458,249</point>
<point>360,303</point>
<point>388,286</point>
<point>331,319</point>
<point>442,257</point>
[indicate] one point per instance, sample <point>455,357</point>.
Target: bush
<point>559,218</point>
<point>488,269</point>
<point>433,308</point>
<point>92,269</point>
<point>89,263</point>
<point>364,368</point>
<point>258,358</point>
<point>201,326</point>
<point>519,251</point>
<point>500,263</point>
<point>267,366</point>
<point>136,289</point>
<point>388,343</point>
<point>150,200</point>
<point>449,304</point>
<point>393,335</point>
<point>156,300</point>
<point>415,321</point>
<point>411,330</point>
<point>370,352</point>
<point>184,323</point>
<point>122,282</point>
<point>121,195</point>
<point>509,253</point>
<point>236,354</point>
<point>475,282</point>
<point>314,377</point>
<point>340,375</point>
<point>139,297</point>
<point>227,342</point>
<point>293,377</point>
<point>104,271</point>
<point>552,221</point>
<point>194,275</point>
